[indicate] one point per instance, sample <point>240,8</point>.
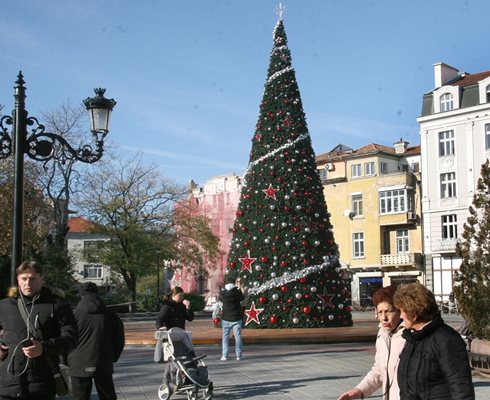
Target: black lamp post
<point>44,146</point>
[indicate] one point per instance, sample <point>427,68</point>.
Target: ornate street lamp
<point>44,146</point>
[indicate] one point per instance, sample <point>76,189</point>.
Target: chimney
<point>443,73</point>
<point>400,146</point>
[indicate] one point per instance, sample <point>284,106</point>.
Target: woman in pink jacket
<point>389,344</point>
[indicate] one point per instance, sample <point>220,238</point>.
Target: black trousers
<point>82,387</point>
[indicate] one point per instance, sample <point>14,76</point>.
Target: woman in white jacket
<point>389,344</point>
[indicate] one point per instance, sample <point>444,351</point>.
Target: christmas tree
<point>283,246</point>
<point>472,281</point>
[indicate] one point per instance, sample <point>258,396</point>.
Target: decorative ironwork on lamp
<point>28,137</point>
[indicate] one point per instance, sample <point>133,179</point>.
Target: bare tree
<point>132,204</point>
<point>62,176</point>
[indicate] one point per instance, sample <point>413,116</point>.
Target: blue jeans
<point>237,332</point>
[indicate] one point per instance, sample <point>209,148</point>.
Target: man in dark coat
<point>231,297</point>
<point>101,342</point>
<point>24,372</point>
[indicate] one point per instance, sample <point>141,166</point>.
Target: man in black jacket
<point>231,297</point>
<point>100,344</point>
<point>24,371</point>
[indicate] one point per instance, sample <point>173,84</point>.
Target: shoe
<point>224,358</point>
<point>239,358</point>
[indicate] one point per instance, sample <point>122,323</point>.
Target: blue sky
<point>188,75</point>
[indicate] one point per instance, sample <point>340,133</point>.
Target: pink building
<point>218,200</point>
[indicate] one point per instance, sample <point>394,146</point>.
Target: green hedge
<point>198,301</point>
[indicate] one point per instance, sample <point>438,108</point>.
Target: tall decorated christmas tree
<point>283,246</point>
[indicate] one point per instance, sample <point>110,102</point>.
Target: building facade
<point>373,197</point>
<point>455,142</point>
<point>218,200</point>
<point>80,238</point>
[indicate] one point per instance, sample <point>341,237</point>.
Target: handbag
<point>158,353</point>
<point>60,373</point>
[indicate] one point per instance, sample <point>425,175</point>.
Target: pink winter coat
<point>383,374</point>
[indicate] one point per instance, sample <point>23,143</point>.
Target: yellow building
<point>373,196</point>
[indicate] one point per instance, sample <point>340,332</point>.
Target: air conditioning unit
<point>411,215</point>
<point>329,167</point>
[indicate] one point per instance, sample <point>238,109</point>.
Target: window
<point>487,136</point>
<point>402,241</point>
<point>323,174</point>
<point>393,201</point>
<point>358,244</point>
<point>92,271</point>
<point>449,226</point>
<point>356,170</point>
<point>369,168</point>
<point>383,168</point>
<point>446,143</point>
<point>446,102</point>
<point>448,185</point>
<point>487,91</point>
<point>90,245</point>
<point>357,204</point>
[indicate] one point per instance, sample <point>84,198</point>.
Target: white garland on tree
<point>288,277</point>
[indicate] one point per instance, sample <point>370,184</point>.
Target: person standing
<point>25,348</point>
<point>434,362</point>
<point>231,297</point>
<point>175,310</point>
<point>389,344</point>
<point>101,342</point>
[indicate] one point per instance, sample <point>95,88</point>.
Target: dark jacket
<point>173,314</point>
<point>54,317</point>
<point>231,298</point>
<point>101,338</point>
<point>434,365</point>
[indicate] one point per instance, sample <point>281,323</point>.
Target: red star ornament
<point>247,262</point>
<point>326,299</point>
<point>253,314</point>
<point>270,192</point>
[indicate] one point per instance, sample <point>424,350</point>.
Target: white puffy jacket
<point>383,374</point>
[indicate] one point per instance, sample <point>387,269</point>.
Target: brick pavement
<point>279,364</point>
<point>268,372</point>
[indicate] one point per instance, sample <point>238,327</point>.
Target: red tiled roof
<point>367,149</point>
<point>470,79</point>
<point>79,225</point>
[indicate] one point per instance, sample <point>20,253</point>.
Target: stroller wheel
<point>164,392</point>
<point>192,394</point>
<point>207,393</point>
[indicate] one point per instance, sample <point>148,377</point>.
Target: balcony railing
<point>445,245</point>
<point>401,259</point>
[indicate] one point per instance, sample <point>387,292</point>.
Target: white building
<point>455,142</point>
<point>80,238</point>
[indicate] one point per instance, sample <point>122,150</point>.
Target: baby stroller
<point>184,372</point>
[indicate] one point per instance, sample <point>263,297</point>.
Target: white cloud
<point>203,161</point>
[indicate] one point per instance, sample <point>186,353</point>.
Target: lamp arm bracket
<point>45,146</point>
<point>5,139</point>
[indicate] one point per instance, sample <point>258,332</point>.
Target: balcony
<point>400,218</point>
<point>445,245</point>
<point>401,260</point>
